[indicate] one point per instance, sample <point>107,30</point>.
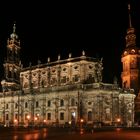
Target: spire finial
<point>130,24</point>
<point>38,62</point>
<point>48,59</point>
<point>14,27</point>
<point>83,53</point>
<point>14,35</point>
<point>70,55</point>
<point>30,64</point>
<point>59,57</point>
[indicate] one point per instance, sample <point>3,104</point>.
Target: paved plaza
<point>68,134</point>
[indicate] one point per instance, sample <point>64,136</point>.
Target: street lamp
<point>81,126</point>
<point>44,121</point>
<point>81,120</point>
<point>28,118</point>
<point>35,118</point>
<point>15,122</point>
<point>118,121</point>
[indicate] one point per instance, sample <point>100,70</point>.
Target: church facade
<point>60,92</point>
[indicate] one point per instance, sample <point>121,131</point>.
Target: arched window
<point>7,106</point>
<point>42,83</point>
<point>61,102</point>
<point>10,74</point>
<point>37,104</point>
<point>15,75</point>
<point>25,85</point>
<point>72,102</point>
<point>26,105</point>
<point>16,105</point>
<point>49,103</point>
<point>89,116</point>
<point>49,116</point>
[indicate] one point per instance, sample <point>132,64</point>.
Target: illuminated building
<point>131,66</point>
<point>60,92</point>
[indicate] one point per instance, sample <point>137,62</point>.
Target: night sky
<point>48,29</point>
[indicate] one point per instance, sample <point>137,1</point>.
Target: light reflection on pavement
<point>62,134</point>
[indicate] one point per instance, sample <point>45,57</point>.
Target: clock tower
<point>131,60</point>
<point>12,63</point>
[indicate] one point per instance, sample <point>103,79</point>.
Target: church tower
<point>131,60</point>
<point>12,63</point>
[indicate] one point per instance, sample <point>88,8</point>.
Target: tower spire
<point>12,64</point>
<point>131,58</point>
<point>130,36</point>
<point>14,28</point>
<point>130,23</point>
<point>14,35</point>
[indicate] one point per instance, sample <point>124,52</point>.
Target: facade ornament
<point>14,35</point>
<point>48,59</point>
<point>38,62</point>
<point>59,57</point>
<point>70,55</point>
<point>115,80</point>
<point>83,53</point>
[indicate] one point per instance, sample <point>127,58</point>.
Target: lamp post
<point>36,119</point>
<point>56,110</point>
<point>15,123</point>
<point>44,122</point>
<point>78,108</point>
<point>28,118</point>
<point>81,126</point>
<point>4,107</point>
<point>118,121</point>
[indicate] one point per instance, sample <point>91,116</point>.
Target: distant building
<point>61,92</point>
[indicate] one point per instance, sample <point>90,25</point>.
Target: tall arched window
<point>37,104</point>
<point>10,74</point>
<point>15,75</point>
<point>72,102</point>
<point>49,103</point>
<point>89,116</point>
<point>26,105</point>
<point>61,102</point>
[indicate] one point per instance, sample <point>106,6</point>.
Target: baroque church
<point>66,91</point>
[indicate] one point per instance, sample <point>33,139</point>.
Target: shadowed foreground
<point>68,134</point>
